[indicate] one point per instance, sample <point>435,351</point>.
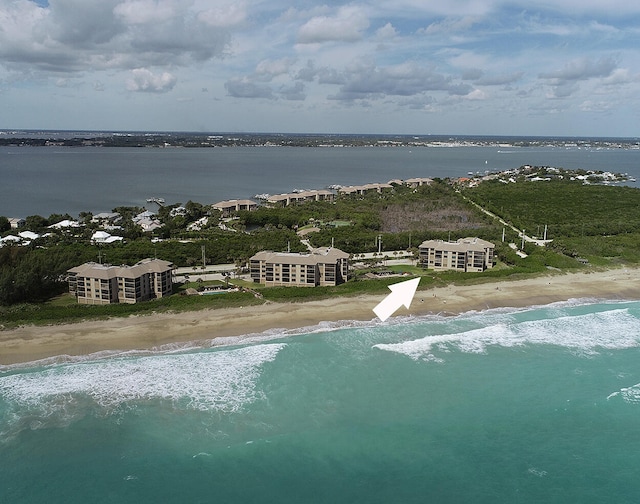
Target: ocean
<point>48,180</point>
<point>528,405</point>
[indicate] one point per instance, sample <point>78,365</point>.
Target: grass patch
<point>61,310</point>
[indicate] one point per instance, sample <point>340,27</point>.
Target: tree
<point>5,225</point>
<point>36,222</point>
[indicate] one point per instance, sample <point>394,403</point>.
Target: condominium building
<point>322,266</point>
<point>230,206</point>
<point>283,200</point>
<point>466,254</point>
<point>94,283</point>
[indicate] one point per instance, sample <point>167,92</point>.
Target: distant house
<point>65,224</point>
<point>322,266</point>
<point>10,239</point>
<point>28,235</point>
<point>16,222</point>
<point>94,283</point>
<point>147,221</point>
<point>465,254</point>
<point>230,206</point>
<point>179,210</point>
<point>102,237</point>
<point>106,218</point>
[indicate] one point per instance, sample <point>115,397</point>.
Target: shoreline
<point>148,332</point>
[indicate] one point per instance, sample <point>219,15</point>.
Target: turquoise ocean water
<point>540,404</point>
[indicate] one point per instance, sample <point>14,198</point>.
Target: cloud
<point>347,25</point>
<point>386,32</point>
<point>325,75</point>
<point>591,106</point>
<point>143,80</point>
<point>563,90</point>
<point>406,79</point>
<point>225,15</point>
<point>268,69</point>
<point>582,69</point>
<point>294,92</point>
<point>245,88</point>
<point>499,80</point>
<point>619,76</point>
<point>472,74</point>
<point>145,11</point>
<point>419,102</point>
<point>450,25</point>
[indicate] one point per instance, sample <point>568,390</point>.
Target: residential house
<point>17,222</point>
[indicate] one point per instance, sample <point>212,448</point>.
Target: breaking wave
<point>223,381</point>
<point>582,334</point>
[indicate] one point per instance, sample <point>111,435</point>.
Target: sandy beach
<point>32,343</point>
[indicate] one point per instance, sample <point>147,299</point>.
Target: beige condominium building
<point>322,266</point>
<point>466,254</point>
<point>94,283</point>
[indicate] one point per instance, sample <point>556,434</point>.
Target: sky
<point>477,67</point>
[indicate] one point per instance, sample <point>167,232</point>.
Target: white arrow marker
<point>401,294</point>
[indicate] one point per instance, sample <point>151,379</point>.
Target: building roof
<point>317,256</point>
<point>67,223</point>
<point>463,244</point>
<point>107,271</point>
<point>233,203</point>
<point>28,235</point>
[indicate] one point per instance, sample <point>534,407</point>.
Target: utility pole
<point>523,239</point>
<point>204,263</point>
<point>379,244</point>
<point>545,232</point>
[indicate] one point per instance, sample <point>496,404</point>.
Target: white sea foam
<point>628,394</point>
<point>582,334</point>
<point>223,380</point>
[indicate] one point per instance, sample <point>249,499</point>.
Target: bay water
<point>46,180</point>
<point>536,404</point>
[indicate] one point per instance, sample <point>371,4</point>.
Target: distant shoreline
<point>31,343</point>
<point>38,138</point>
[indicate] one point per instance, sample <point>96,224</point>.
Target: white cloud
<point>145,11</point>
<point>593,106</point>
<point>144,80</point>
<point>450,25</point>
<point>582,69</point>
<point>386,32</point>
<point>499,80</point>
<point>225,15</point>
<point>618,76</point>
<point>272,68</point>
<point>347,25</point>
<point>246,88</point>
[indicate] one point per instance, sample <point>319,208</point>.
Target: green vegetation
<point>568,208</point>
